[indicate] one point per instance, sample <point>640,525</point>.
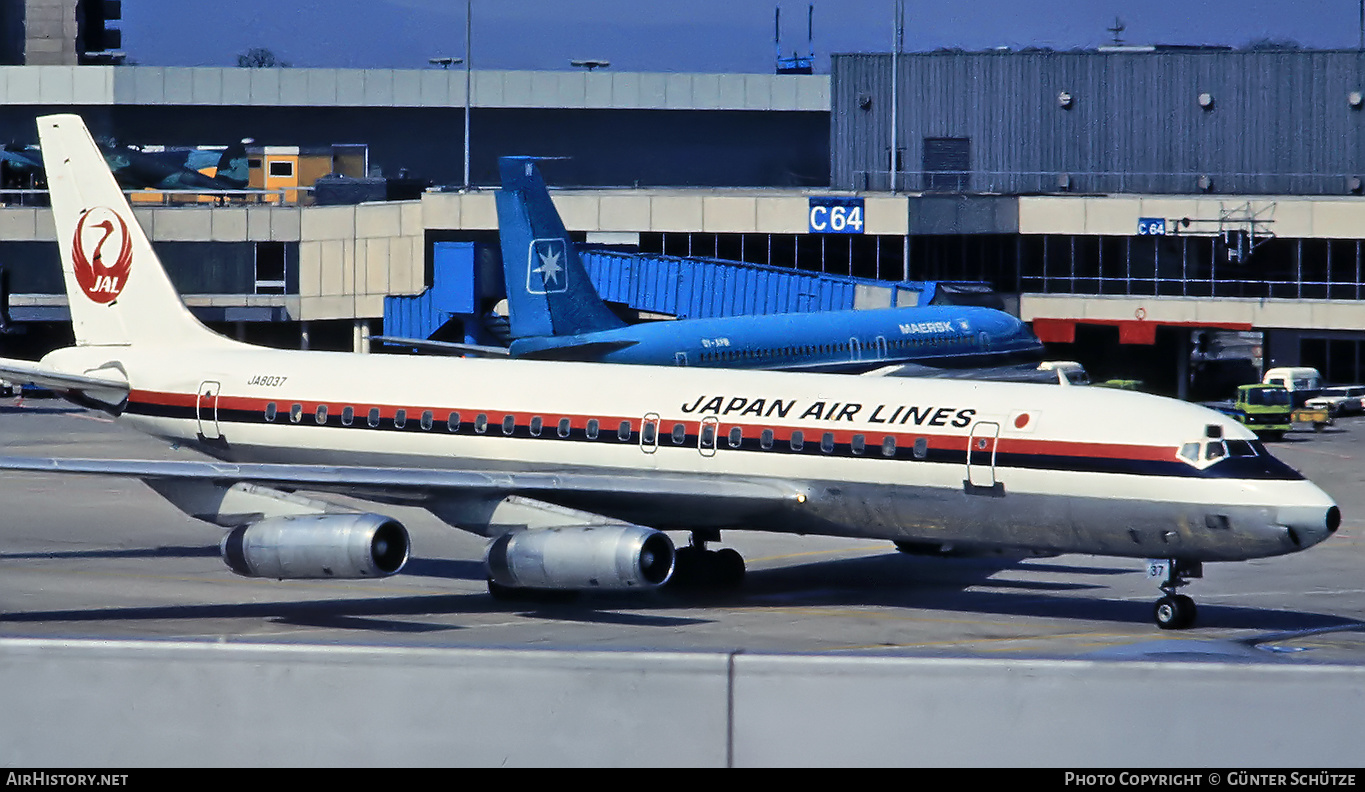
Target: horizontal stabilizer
<point>24,371</point>
<point>445,347</point>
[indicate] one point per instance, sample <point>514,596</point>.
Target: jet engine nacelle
<point>582,557</point>
<point>318,546</point>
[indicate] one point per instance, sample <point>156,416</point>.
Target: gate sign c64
<point>1151,226</point>
<point>836,215</point>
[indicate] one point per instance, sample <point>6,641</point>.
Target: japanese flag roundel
<point>102,254</point>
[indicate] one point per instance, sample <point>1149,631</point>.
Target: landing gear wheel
<point>1174,612</point>
<point>728,568</point>
<point>695,567</point>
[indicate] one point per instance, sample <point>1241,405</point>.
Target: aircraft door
<point>855,350</point>
<point>206,410</point>
<point>649,433</point>
<point>680,358</point>
<point>706,438</point>
<point>981,454</point>
<point>881,347</point>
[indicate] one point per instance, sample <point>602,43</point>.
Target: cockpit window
<point>1213,451</point>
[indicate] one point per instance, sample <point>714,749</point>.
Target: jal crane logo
<point>102,254</point>
<point>545,270</point>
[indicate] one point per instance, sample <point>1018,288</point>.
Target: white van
<point>1301,382</point>
<point>1068,372</point>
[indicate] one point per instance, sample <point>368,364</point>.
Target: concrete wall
<point>132,704</point>
<point>1245,312</point>
<point>714,211</point>
<point>154,85</point>
<point>1280,216</point>
<point>352,257</point>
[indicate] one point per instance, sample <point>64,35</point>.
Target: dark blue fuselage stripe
<point>1258,468</point>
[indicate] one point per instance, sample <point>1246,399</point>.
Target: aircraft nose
<point>1011,331</point>
<point>1309,524</point>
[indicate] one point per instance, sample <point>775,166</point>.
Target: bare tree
<point>1268,44</point>
<point>260,58</point>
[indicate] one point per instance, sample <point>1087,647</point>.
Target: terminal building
<point>1132,203</point>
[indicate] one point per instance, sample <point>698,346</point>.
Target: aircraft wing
<point>445,347</point>
<point>111,388</point>
<point>427,481</point>
<point>1025,372</point>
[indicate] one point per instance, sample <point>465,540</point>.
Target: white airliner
<point>574,470</point>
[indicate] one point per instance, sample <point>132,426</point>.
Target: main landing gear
<point>695,567</point>
<point>1174,611</point>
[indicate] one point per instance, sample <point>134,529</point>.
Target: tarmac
<point>103,558</point>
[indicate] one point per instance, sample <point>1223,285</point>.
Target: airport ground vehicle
<point>1264,409</point>
<point>1340,400</point>
<point>1069,370</point>
<point>1302,382</point>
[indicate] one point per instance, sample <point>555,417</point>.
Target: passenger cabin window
<point>400,419</point>
<point>374,417</point>
<point>453,422</point>
<point>736,437</point>
<point>321,415</point>
<point>481,423</point>
<point>509,424</point>
<point>270,411</point>
<point>623,431</point>
<point>798,440</point>
<point>427,420</point>
<point>347,415</point>
<point>296,413</point>
<point>679,434</point>
<point>564,426</point>
<point>889,446</point>
<point>827,442</point>
<point>765,440</point>
<point>859,444</point>
<point>594,426</point>
<point>921,447</point>
<point>537,423</point>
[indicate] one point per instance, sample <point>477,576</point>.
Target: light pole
<point>467,38</point>
<point>897,36</point>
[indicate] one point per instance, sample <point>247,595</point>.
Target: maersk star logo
<point>545,273</point>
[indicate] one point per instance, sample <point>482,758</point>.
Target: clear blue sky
<point>688,35</point>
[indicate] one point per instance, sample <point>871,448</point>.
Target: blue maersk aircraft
<point>556,314</point>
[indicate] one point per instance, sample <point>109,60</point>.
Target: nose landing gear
<point>1174,611</point>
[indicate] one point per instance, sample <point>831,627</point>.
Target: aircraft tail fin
<point>117,290</point>
<point>548,290</point>
<point>232,167</point>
